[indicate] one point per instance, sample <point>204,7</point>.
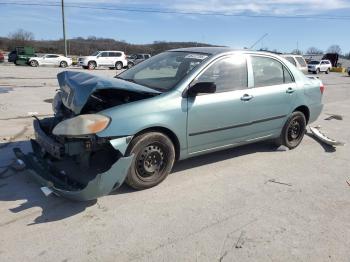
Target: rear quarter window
<point>301,61</point>
<point>291,60</point>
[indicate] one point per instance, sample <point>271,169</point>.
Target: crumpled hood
<point>76,87</point>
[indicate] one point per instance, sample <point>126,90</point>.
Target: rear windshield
<point>314,62</point>
<point>301,61</point>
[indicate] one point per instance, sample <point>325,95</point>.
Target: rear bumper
<point>73,182</point>
<point>315,111</point>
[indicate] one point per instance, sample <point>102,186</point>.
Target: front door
<point>219,120</point>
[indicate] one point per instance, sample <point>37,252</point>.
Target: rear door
<point>219,120</point>
<point>273,95</point>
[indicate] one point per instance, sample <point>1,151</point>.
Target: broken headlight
<point>82,125</point>
<point>57,103</point>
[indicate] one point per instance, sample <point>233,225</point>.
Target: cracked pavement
<point>251,203</point>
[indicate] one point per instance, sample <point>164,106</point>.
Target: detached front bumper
<point>66,178</point>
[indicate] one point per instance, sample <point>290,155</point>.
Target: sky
<point>242,24</point>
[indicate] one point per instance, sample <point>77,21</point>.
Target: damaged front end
<point>68,156</point>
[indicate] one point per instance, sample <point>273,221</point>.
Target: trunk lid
<point>76,88</point>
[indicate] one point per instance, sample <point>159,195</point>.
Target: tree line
<point>80,46</point>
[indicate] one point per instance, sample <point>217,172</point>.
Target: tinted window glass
<point>291,60</point>
<point>104,54</point>
<point>301,61</point>
<point>287,76</point>
<point>52,56</point>
<point>268,72</point>
<point>228,74</point>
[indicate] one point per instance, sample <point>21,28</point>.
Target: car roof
<point>215,50</point>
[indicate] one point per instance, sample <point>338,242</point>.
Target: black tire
<point>63,64</point>
<point>119,65</point>
<point>92,65</point>
<point>130,65</point>
<point>34,63</point>
<point>293,131</point>
<point>153,160</point>
<point>327,71</point>
<point>317,71</point>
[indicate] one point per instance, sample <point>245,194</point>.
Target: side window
<point>228,74</point>
<point>104,54</point>
<point>291,60</point>
<point>268,71</point>
<point>301,61</point>
<point>117,54</point>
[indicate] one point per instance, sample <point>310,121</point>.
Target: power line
<point>168,11</point>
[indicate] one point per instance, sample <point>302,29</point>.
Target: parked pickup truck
<point>111,59</point>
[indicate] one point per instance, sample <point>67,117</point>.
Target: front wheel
<point>154,158</point>
<point>130,65</point>
<point>91,65</point>
<point>327,71</point>
<point>63,64</point>
<point>317,71</point>
<point>293,130</point>
<point>34,63</point>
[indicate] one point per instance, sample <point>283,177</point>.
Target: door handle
<point>290,90</point>
<point>246,97</point>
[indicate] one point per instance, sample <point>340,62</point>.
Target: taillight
<point>322,88</point>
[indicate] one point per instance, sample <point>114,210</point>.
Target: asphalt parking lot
<point>245,204</point>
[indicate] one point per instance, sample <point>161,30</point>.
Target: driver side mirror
<point>202,88</point>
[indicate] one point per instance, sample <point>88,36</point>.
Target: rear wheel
<point>293,130</point>
<point>154,158</point>
<point>119,65</point>
<point>34,63</point>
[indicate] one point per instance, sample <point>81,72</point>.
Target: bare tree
<point>314,51</point>
<point>335,49</point>
<point>21,35</point>
<point>297,52</point>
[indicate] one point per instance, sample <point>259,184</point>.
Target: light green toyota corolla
<point>175,105</point>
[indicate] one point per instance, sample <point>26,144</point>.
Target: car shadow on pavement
<point>22,195</point>
<point>218,156</point>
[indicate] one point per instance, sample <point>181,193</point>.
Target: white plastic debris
<point>18,165</point>
<point>47,191</point>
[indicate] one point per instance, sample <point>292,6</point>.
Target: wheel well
<point>166,132</point>
<point>305,110</point>
<point>92,61</point>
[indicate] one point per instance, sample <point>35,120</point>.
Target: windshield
<point>162,72</point>
<point>95,53</point>
<point>314,62</point>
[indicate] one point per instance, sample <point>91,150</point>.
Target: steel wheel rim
<point>151,162</point>
<point>294,130</point>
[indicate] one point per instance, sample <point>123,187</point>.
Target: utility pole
<point>64,29</point>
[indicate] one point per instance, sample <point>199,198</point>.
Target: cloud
<point>257,7</point>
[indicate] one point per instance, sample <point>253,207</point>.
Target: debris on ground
<point>18,165</point>
<point>334,116</point>
<point>240,240</point>
<point>323,138</point>
<point>277,182</point>
<point>348,183</point>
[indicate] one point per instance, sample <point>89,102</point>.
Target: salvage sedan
<point>175,105</point>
